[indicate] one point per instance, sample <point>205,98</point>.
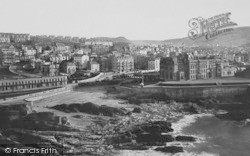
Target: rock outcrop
<point>10,113</point>
<point>146,134</point>
<point>90,108</point>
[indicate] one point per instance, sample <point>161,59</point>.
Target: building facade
<point>10,37</point>
<point>123,63</point>
<point>94,67</point>
<point>4,38</point>
<point>154,64</point>
<point>174,68</point>
<point>69,68</point>
<point>106,64</point>
<point>168,69</point>
<point>202,69</point>
<point>8,55</point>
<point>81,61</point>
<point>50,69</point>
<point>32,84</point>
<point>224,69</point>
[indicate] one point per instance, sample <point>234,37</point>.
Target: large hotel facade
<point>184,68</point>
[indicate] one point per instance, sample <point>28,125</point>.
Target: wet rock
<point>185,138</point>
<point>170,149</point>
<point>131,146</point>
<point>235,115</point>
<point>208,103</point>
<point>153,127</point>
<point>64,120</point>
<point>137,110</point>
<point>78,116</point>
<point>129,113</point>
<point>154,138</point>
<point>121,139</point>
<point>191,108</point>
<point>154,143</point>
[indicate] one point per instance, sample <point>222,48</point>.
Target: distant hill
<point>146,42</point>
<point>240,37</point>
<point>116,40</point>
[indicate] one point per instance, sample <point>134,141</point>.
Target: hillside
<point>239,37</point>
<point>145,42</point>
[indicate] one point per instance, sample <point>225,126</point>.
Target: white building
<point>4,38</point>
<point>94,67</point>
<point>28,50</point>
<point>81,61</point>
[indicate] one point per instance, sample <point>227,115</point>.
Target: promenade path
<point>14,70</point>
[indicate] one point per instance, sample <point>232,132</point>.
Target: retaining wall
<point>38,95</point>
<point>190,92</point>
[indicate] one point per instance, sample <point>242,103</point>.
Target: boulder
<point>170,149</point>
<point>157,127</point>
<point>154,143</point>
<point>137,110</point>
<point>191,108</point>
<point>153,138</point>
<point>131,146</point>
<point>129,113</point>
<point>78,116</point>
<point>185,138</point>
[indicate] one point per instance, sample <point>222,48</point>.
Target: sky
<point>133,19</point>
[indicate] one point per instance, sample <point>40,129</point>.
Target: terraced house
<point>32,84</point>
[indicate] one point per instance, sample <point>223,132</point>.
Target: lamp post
<point>142,81</point>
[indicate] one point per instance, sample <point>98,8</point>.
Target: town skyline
<point>134,20</point>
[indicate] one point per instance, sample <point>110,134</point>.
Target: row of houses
<point>10,54</point>
<point>16,85</point>
<point>8,37</point>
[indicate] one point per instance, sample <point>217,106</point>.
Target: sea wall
<point>190,92</point>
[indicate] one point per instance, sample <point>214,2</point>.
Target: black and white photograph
<point>125,78</point>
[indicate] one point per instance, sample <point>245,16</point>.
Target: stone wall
<point>190,92</point>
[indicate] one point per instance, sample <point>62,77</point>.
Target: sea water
<point>215,137</point>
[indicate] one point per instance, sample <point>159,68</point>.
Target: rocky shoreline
<point>147,123</point>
